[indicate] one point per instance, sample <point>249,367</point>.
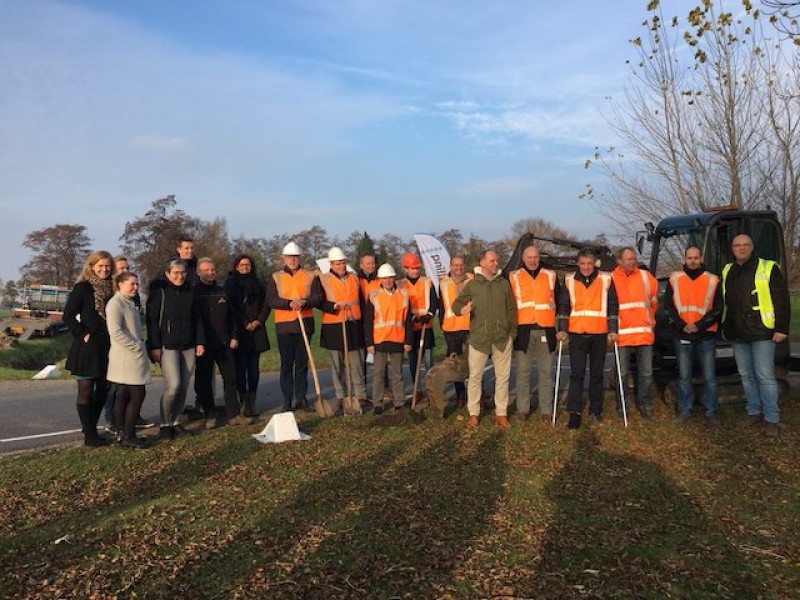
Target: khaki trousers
<point>501,359</point>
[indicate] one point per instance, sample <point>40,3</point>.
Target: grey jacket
<point>127,360</point>
<point>493,319</point>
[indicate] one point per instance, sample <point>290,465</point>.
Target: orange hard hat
<point>411,261</point>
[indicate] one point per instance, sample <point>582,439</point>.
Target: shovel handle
<point>310,356</point>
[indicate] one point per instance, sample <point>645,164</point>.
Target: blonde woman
<point>87,360</point>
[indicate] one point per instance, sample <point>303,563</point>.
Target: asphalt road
<point>41,414</point>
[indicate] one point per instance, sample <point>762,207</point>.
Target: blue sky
<point>384,116</point>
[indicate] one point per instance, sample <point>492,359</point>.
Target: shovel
<point>558,377</point>
<point>621,384</point>
<point>352,406</point>
<point>323,408</point>
<point>419,364</point>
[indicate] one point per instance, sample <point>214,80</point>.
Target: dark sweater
<point>742,323</point>
<point>216,314</point>
<point>172,319</point>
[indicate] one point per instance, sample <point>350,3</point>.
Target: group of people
<point>193,325</point>
<point>371,316</point>
<point>532,310</point>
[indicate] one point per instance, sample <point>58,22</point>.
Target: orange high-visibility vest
<point>693,298</point>
<point>367,287</point>
<point>419,297</point>
<point>344,291</point>
<point>449,290</point>
<point>636,294</point>
<point>536,301</point>
<point>589,311</point>
<point>391,312</point>
<point>290,287</point>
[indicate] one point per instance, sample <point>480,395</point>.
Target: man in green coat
<point>493,326</point>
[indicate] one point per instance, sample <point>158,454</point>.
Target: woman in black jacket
<point>85,315</point>
<point>174,338</point>
<point>247,297</point>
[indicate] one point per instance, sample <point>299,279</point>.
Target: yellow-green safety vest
<point>765,305</point>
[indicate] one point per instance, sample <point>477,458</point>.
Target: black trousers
<point>583,347</point>
<point>294,368</point>
<point>204,374</point>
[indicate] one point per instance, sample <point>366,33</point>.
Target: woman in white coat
<point>128,363</point>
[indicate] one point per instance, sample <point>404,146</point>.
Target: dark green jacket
<point>493,320</point>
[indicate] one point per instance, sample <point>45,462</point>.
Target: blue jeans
<point>755,362</point>
<point>177,367</point>
<point>705,352</point>
<point>644,370</point>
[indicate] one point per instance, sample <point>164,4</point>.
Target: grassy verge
<point>34,354</point>
<point>413,511</point>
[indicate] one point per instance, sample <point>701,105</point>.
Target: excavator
<point>662,247</point>
<point>712,231</point>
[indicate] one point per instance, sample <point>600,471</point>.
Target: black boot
<point>89,427</point>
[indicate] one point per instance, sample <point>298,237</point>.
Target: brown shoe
<point>771,429</point>
<point>523,416</point>
<point>473,422</point>
<point>751,420</point>
<point>502,422</point>
<point>240,420</point>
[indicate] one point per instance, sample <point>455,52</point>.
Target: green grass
<point>34,354</point>
<point>413,511</point>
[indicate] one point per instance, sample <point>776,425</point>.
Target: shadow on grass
<point>380,527</point>
<point>624,529</point>
<point>197,466</point>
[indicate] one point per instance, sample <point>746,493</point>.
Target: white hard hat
<point>386,270</point>
<point>336,254</point>
<point>291,249</point>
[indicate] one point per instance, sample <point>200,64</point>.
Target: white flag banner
<point>435,257</point>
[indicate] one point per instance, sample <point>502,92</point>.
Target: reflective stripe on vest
<point>391,310</point>
<point>449,290</point>
<point>693,298</point>
<point>341,291</point>
<point>291,287</point>
<point>636,319</point>
<point>589,305</point>
<point>419,297</point>
<point>765,305</point>
<point>535,298</point>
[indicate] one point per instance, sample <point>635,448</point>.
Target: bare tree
<point>58,254</point>
<point>149,241</point>
<point>211,240</point>
<point>540,228</point>
<point>708,119</point>
<point>452,240</point>
<point>314,242</point>
<point>785,16</point>
<point>273,252</point>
